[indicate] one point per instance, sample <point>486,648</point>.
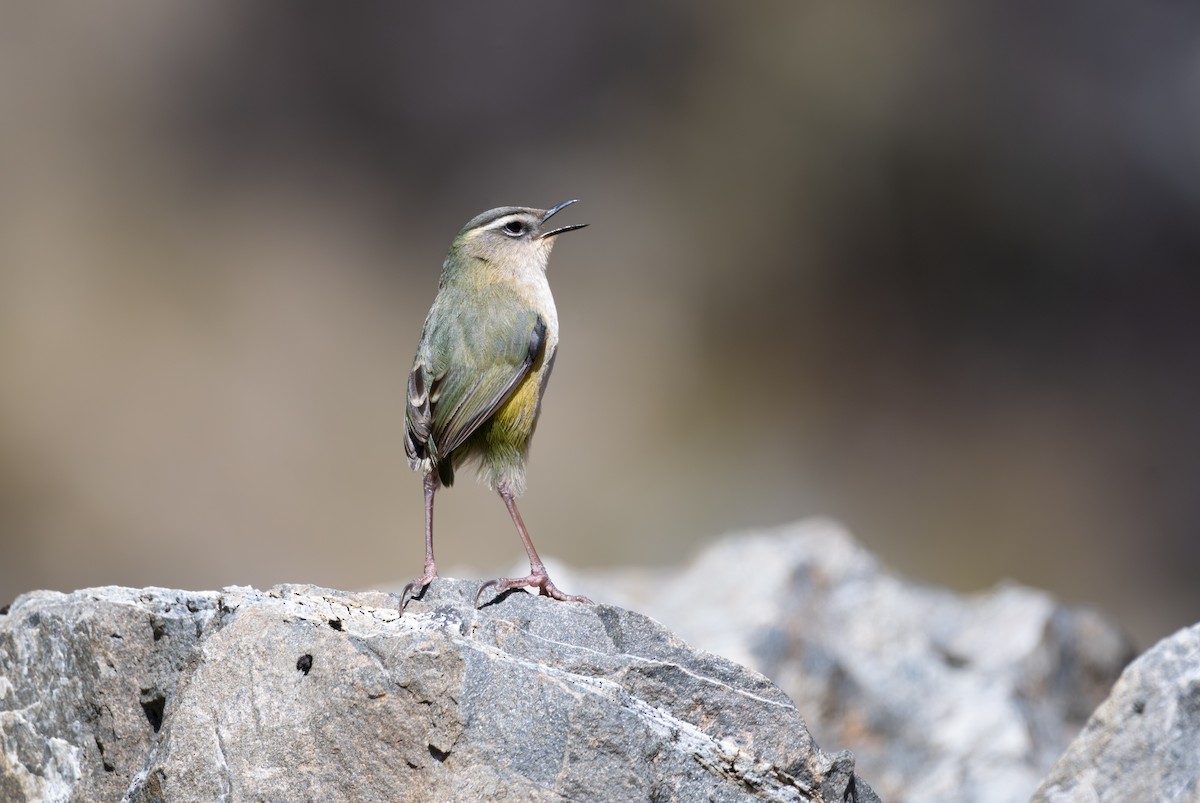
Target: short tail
<point>445,470</point>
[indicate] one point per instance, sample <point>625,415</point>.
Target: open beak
<point>553,211</point>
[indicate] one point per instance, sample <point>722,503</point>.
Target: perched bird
<point>475,390</point>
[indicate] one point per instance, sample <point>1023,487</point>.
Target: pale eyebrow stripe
<point>500,221</point>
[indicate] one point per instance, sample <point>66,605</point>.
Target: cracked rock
<point>301,693</point>
<point>83,681</point>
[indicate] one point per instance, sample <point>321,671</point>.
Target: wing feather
<point>466,367</point>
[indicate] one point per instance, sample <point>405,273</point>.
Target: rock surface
<point>302,693</point>
<point>940,696</point>
<point>1143,743</point>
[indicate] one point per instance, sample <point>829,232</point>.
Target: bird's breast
<point>535,291</point>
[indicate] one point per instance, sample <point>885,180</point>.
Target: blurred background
<point>929,269</point>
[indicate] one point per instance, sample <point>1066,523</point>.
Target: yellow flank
<point>512,424</point>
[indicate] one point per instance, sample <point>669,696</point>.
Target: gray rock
<point>940,696</point>
<point>84,681</point>
<point>1143,742</point>
<point>302,693</point>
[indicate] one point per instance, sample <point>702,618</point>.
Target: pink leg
<point>417,586</point>
<point>537,570</point>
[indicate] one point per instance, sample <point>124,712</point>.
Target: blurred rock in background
<point>930,270</point>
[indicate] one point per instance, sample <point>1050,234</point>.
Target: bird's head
<point>510,238</point>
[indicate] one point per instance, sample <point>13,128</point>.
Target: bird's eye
<point>514,228</point>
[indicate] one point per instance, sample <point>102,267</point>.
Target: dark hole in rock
<point>336,624</point>
<point>304,663</point>
<point>438,754</point>
<point>952,659</point>
<point>153,709</point>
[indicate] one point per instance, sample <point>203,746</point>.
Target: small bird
<point>475,390</point>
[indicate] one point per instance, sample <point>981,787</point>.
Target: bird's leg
<point>417,586</point>
<point>537,570</point>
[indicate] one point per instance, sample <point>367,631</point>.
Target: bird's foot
<point>417,587</point>
<point>537,579</point>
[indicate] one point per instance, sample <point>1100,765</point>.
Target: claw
<point>541,581</point>
<point>414,589</point>
<point>483,588</point>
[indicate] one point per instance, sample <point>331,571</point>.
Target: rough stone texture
<point>1143,743</point>
<point>301,693</point>
<point>84,680</point>
<point>940,696</point>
